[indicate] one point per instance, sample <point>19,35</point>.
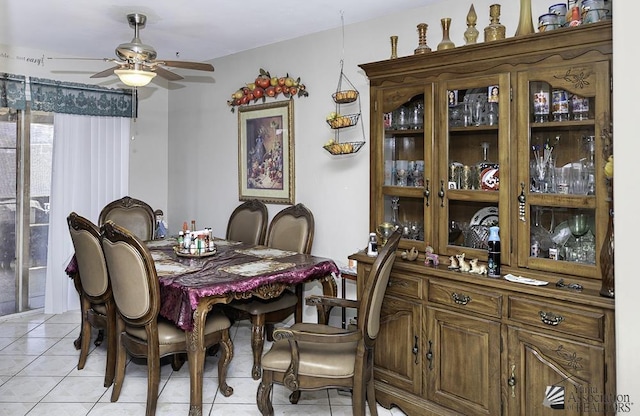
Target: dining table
<point>191,284</point>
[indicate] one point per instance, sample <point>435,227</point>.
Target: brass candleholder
<point>394,47</point>
<point>422,40</point>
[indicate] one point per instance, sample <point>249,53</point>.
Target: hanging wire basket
<point>344,121</point>
<point>345,148</point>
<point>345,96</point>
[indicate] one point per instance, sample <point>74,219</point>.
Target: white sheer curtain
<point>90,169</point>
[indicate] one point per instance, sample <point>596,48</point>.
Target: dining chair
<point>142,332</point>
<point>133,214</point>
<point>92,283</point>
<point>309,356</point>
<point>248,222</point>
<point>291,229</point>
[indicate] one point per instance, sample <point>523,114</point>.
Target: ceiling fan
<point>136,63</point>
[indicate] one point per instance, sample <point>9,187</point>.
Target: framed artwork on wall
<point>266,152</point>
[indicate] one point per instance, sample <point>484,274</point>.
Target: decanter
<point>495,30</point>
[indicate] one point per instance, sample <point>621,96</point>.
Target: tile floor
<point>39,376</point>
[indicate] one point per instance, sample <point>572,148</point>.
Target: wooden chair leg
<point>263,396</point>
<point>121,358</point>
<point>257,344</point>
<point>85,335</point>
<point>153,382</point>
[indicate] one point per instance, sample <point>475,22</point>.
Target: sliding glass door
<point>26,145</point>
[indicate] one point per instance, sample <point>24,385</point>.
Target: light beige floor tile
<point>28,346</point>
<point>53,330</point>
<point>77,390</point>
<point>12,365</point>
<point>27,389</point>
<point>177,390</point>
<point>15,409</point>
<point>119,409</point>
<point>16,330</point>
<point>61,409</point>
<point>55,365</point>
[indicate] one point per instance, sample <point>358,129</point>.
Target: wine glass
<point>578,225</point>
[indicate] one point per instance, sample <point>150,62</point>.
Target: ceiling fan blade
<point>166,74</point>
<point>105,73</point>
<point>198,66</point>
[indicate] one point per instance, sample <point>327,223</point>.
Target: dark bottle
<point>494,252</point>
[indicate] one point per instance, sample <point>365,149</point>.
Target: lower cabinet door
<point>397,355</point>
<point>463,362</point>
<point>548,376</point>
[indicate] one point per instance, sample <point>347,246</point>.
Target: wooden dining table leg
<point>196,356</point>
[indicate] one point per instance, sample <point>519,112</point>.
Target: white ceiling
<point>192,30</point>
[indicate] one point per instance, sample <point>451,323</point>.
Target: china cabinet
<point>509,133</point>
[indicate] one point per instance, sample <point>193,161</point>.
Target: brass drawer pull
<point>460,299</point>
<point>550,318</point>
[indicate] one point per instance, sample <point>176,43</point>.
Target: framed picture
<point>266,152</point>
<point>453,97</point>
<point>493,92</point>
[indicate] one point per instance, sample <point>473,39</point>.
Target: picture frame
<point>266,168</point>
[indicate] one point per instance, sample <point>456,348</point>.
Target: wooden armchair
<point>310,356</point>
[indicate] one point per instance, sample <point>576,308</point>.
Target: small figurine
<point>464,265</point>
<point>477,269</point>
<point>410,255</point>
<point>453,263</point>
<point>430,258</point>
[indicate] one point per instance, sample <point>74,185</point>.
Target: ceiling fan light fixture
<point>135,77</point>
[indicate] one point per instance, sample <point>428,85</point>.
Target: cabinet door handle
<point>511,381</point>
<point>441,193</point>
<point>522,208</point>
<point>427,191</point>
<point>430,356</point>
<point>414,350</point>
<point>460,299</point>
<point>550,318</point>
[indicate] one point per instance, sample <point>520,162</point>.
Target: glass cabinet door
<point>473,152</point>
<point>400,194</point>
<point>563,197</point>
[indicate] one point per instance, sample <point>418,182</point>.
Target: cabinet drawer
<point>404,286</point>
<point>554,316</point>
<point>465,298</point>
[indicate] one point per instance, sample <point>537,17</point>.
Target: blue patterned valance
<point>12,89</point>
<point>81,99</point>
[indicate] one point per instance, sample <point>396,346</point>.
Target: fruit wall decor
<point>267,86</point>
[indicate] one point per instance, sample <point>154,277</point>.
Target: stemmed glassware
<point>578,225</point>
